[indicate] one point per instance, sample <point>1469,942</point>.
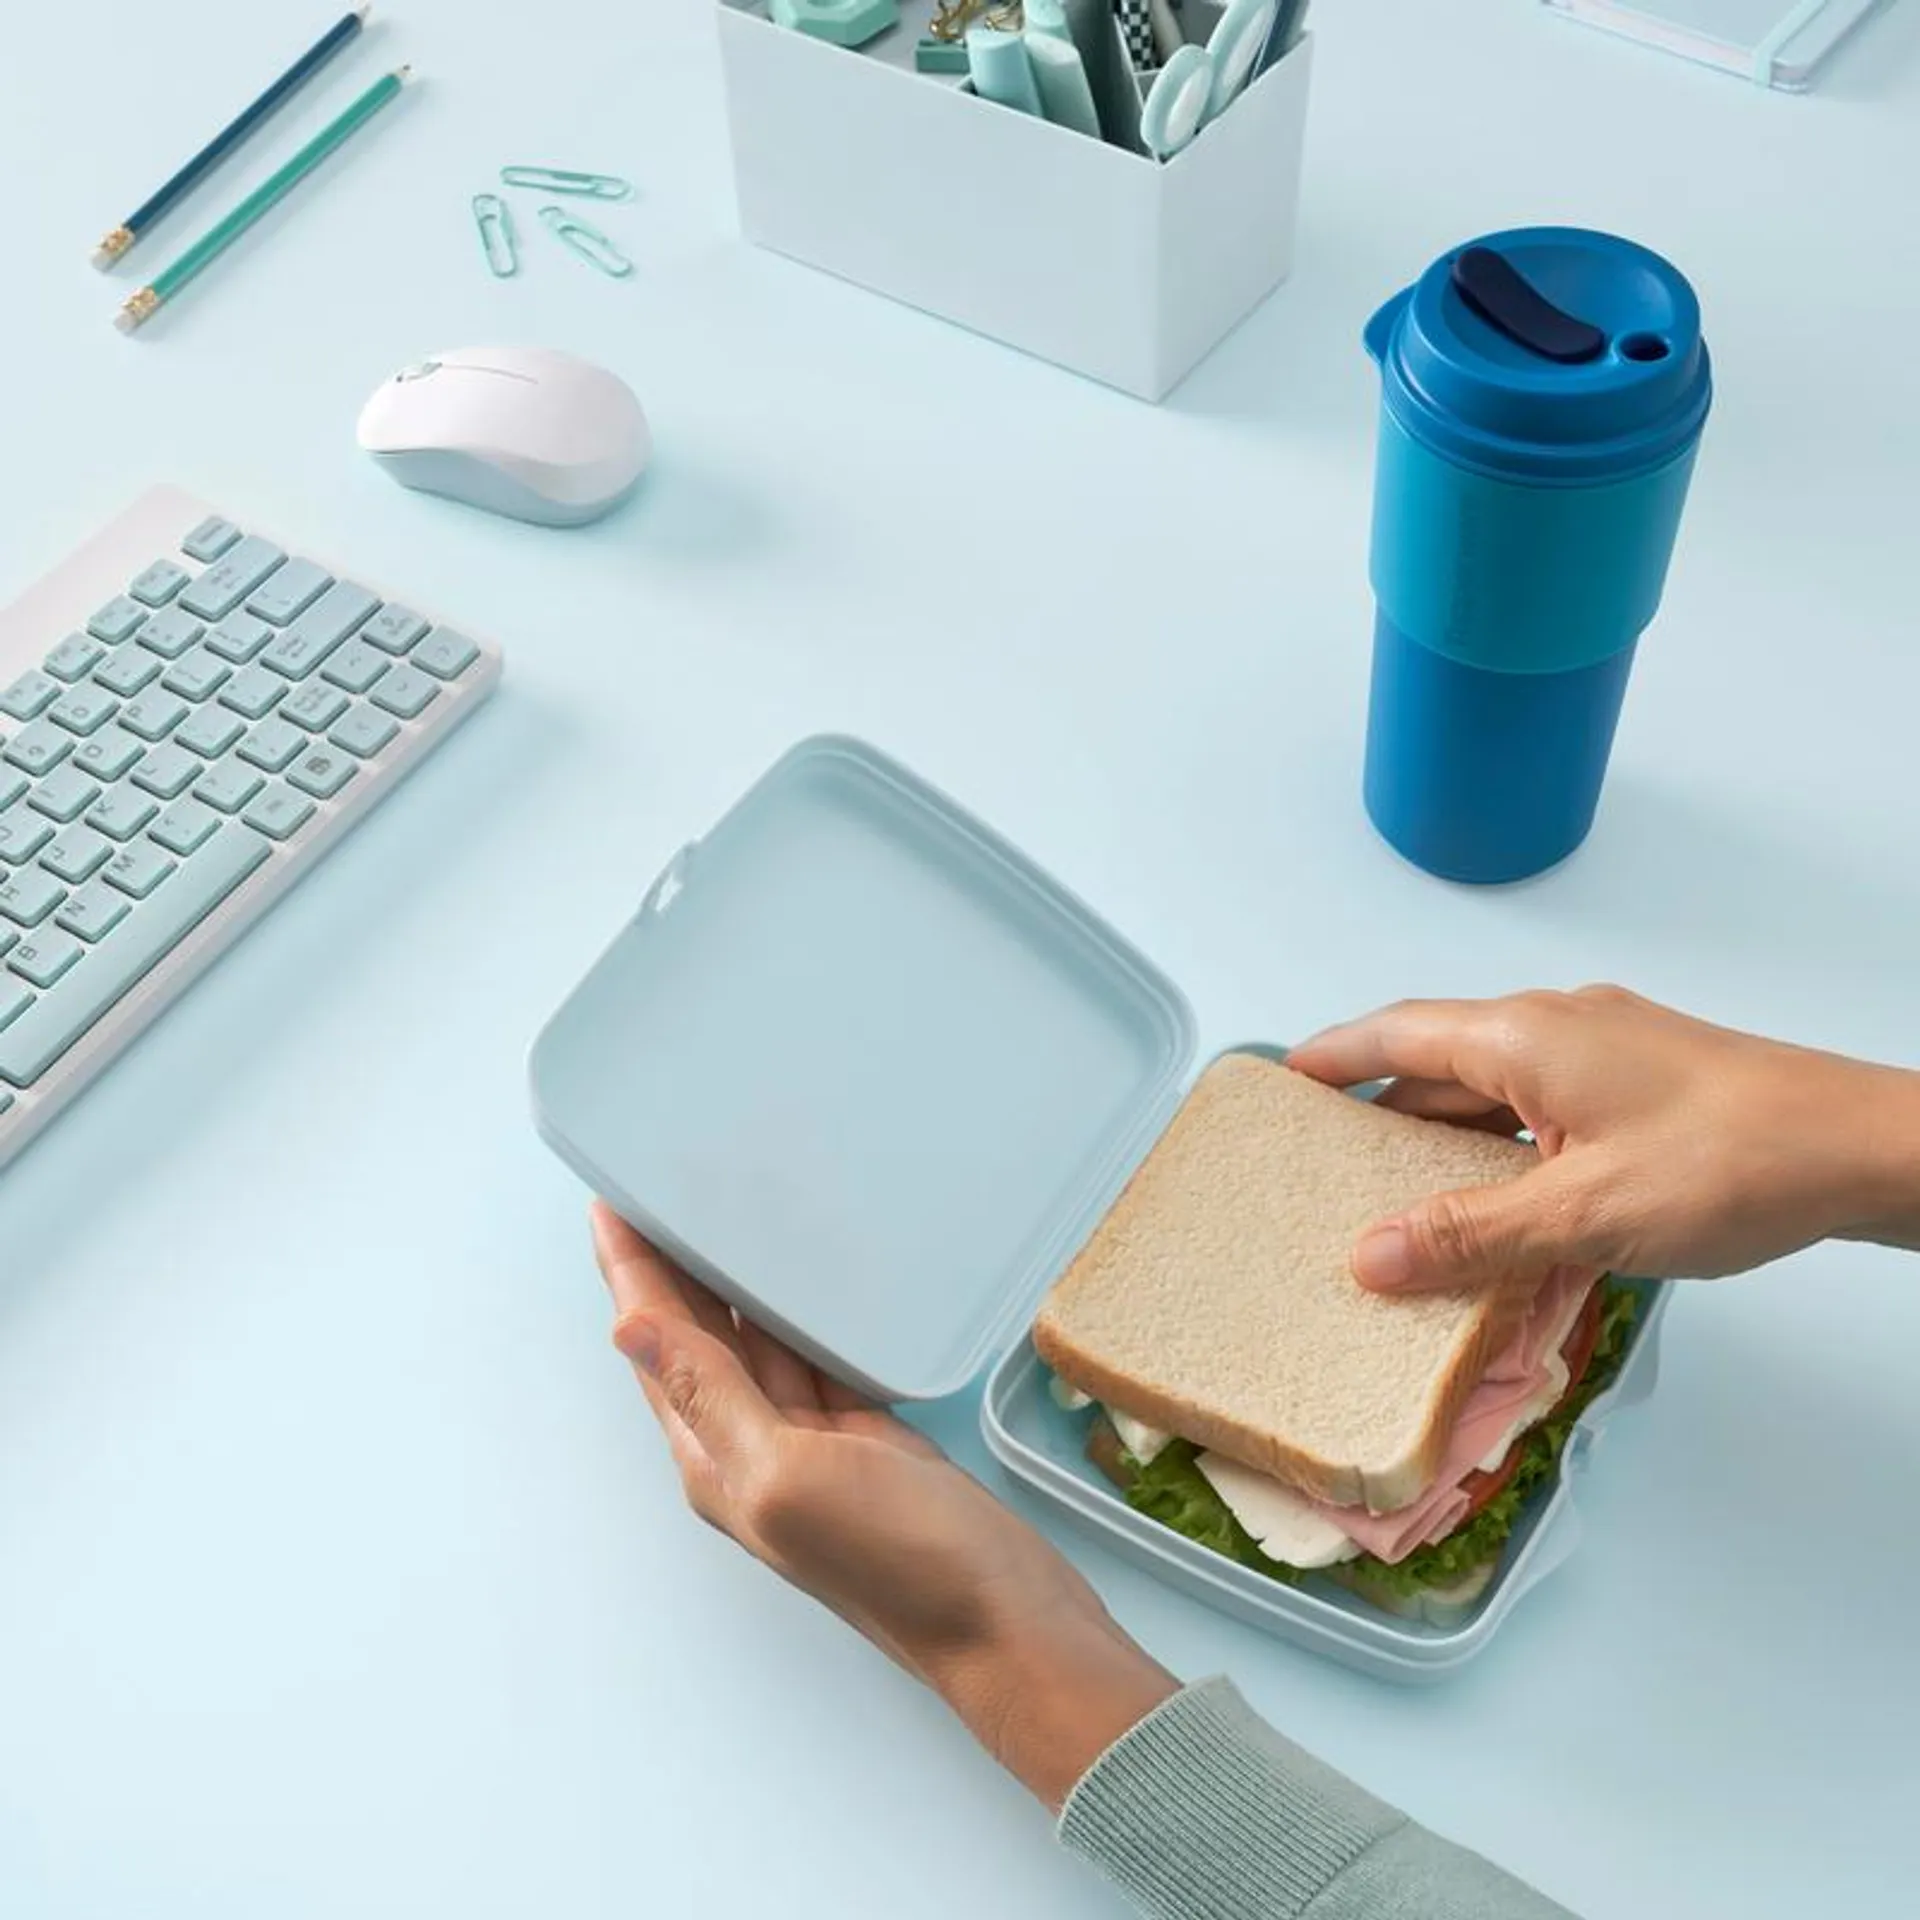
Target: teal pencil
<point>143,305</point>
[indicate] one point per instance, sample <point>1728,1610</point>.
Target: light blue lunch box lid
<point>865,1070</point>
<point>1547,355</point>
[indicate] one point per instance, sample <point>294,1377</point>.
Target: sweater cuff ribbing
<point>1202,1809</point>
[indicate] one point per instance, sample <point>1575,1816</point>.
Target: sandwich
<point>1250,1394</point>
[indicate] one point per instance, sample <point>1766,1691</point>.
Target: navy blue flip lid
<point>1547,353</point>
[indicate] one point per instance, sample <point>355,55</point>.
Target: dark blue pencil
<point>228,138</point>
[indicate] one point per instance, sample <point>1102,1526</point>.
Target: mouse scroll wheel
<point>418,373</point>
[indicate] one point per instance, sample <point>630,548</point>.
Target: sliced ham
<point>1520,1388</point>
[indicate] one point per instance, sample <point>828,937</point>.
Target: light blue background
<point>340,1572</point>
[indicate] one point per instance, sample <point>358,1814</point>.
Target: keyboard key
<point>128,671</point>
<point>93,912</point>
<point>272,744</point>
<point>138,869</point>
<point>406,691</point>
<point>210,539</point>
<point>64,795</point>
<point>75,657</point>
<point>83,710</point>
<point>394,629</point>
<point>169,772</point>
<point>43,959</point>
<point>111,754</point>
<point>121,815</point>
<point>356,666</point>
<point>13,786</point>
<point>322,773</point>
<point>77,855</point>
<point>364,732</point>
<point>40,748</point>
<point>229,788</point>
<point>158,584</point>
<point>29,696</point>
<point>445,654</point>
<point>277,812</point>
<point>238,638</point>
<point>118,620</point>
<point>252,691</point>
<point>311,638</point>
<point>210,732</point>
<point>289,592</point>
<point>171,633</point>
<point>231,578</point>
<point>198,677</point>
<point>27,895</point>
<point>33,1042</point>
<point>183,828</point>
<point>315,707</point>
<point>154,715</point>
<point>23,833</point>
<point>15,999</point>
<point>8,941</point>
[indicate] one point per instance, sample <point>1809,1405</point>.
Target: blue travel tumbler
<point>1542,397</point>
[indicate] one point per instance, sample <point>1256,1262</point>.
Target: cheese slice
<point>1287,1526</point>
<point>1139,1439</point>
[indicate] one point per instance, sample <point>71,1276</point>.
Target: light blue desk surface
<point>340,1571</point>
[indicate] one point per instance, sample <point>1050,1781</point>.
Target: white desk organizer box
<point>874,1077</point>
<point>1081,252</point>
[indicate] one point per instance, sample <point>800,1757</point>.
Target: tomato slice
<point>1577,1352</point>
<point>1580,1343</point>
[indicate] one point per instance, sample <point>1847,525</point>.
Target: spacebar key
<point>121,961</point>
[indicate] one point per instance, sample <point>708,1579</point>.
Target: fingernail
<point>640,1342</point>
<point>1384,1257</point>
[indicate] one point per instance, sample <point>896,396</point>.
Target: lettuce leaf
<point>1173,1490</point>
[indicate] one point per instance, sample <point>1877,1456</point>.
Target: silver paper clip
<point>492,216</point>
<point>589,243</point>
<point>589,186</point>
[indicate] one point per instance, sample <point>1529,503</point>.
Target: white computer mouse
<point>524,431</point>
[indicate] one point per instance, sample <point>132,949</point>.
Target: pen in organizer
<point>142,306</point>
<point>1289,22</point>
<point>1136,29</point>
<point>1168,35</point>
<point>230,137</point>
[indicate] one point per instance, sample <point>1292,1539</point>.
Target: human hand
<point>1668,1147</point>
<point>865,1514</point>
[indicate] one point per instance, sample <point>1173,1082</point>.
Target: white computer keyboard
<point>191,714</point>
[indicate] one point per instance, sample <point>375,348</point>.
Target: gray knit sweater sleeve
<point>1204,1812</point>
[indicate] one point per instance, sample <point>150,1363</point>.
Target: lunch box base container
<point>1043,1445</point>
<point>867,1072</point>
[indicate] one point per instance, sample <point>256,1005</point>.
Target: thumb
<point>700,1388</point>
<point>1476,1236</point>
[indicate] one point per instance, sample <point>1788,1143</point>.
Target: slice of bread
<point>1216,1300</point>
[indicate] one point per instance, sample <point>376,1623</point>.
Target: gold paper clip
<point>495,221</point>
<point>589,186</point>
<point>952,18</point>
<point>589,243</point>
